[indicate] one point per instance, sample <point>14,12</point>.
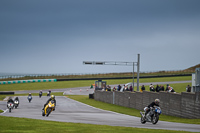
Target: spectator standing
<point>188,88</point>
<point>167,87</point>
<point>152,88</point>
<point>142,88</point>
<point>162,88</point>
<point>131,88</point>
<point>157,88</point>
<point>114,89</point>
<point>119,88</point>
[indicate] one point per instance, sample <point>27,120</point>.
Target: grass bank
<point>19,125</point>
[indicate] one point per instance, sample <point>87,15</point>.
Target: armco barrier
<point>27,81</point>
<point>185,104</point>
<point>6,93</point>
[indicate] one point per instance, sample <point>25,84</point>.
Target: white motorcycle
<point>10,106</point>
<point>152,115</point>
<point>16,102</point>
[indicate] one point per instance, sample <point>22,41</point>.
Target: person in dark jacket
<point>52,98</point>
<point>167,87</point>
<point>155,103</point>
<point>16,98</point>
<point>157,88</point>
<point>142,88</point>
<point>162,88</point>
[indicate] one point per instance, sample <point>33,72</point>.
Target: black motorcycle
<point>151,116</point>
<point>40,94</point>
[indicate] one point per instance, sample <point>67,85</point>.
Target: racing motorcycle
<point>10,106</point>
<point>151,116</point>
<point>48,108</point>
<point>29,98</point>
<point>40,94</point>
<point>48,93</point>
<point>16,102</point>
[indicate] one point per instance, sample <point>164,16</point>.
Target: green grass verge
<point>81,83</point>
<point>128,111</point>
<point>19,125</point>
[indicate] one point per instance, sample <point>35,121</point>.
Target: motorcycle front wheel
<point>48,111</point>
<point>10,110</point>
<point>155,118</point>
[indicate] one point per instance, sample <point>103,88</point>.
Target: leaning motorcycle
<point>29,98</point>
<point>10,106</point>
<point>48,108</point>
<point>16,103</point>
<point>152,116</point>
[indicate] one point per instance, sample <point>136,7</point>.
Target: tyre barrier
<point>27,81</point>
<point>8,92</point>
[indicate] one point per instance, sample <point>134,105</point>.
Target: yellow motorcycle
<point>48,108</point>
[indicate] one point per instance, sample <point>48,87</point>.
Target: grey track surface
<point>68,110</point>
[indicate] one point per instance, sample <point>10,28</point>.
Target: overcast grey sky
<point>56,36</point>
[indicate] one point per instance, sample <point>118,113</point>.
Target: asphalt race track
<point>68,110</point>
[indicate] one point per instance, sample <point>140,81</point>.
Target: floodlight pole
<point>138,71</point>
<point>119,63</point>
<point>133,75</point>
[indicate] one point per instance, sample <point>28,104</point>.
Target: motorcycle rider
<point>29,95</point>
<point>40,93</point>
<point>155,103</point>
<point>10,101</point>
<point>52,98</point>
<point>16,98</point>
<point>49,93</point>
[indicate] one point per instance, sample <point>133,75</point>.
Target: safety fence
<point>186,105</point>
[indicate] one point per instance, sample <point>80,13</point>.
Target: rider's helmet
<point>52,97</point>
<point>29,93</point>
<point>157,101</point>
